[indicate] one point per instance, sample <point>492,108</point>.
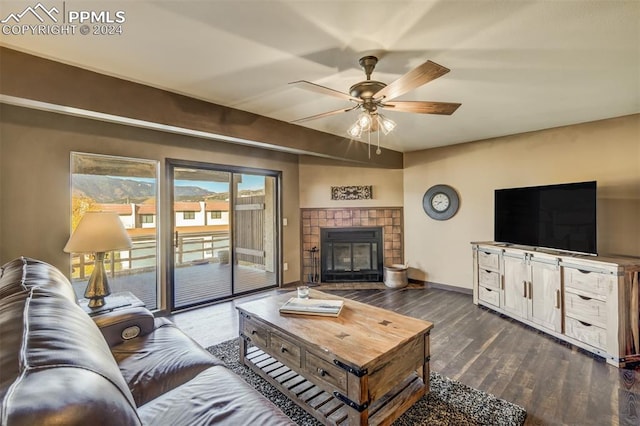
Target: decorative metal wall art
<point>364,192</point>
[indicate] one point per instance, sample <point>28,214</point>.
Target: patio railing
<point>197,247</point>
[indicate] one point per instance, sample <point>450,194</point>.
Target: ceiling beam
<point>35,82</point>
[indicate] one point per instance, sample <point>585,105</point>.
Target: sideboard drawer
<point>583,308</point>
<point>595,283</point>
<point>489,278</point>
<point>286,350</point>
<point>585,332</point>
<point>488,260</point>
<point>488,295</point>
<point>257,334</point>
<point>326,371</point>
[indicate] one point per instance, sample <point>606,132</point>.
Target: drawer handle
<point>283,349</point>
<point>584,297</point>
<point>487,289</point>
<point>582,271</point>
<point>253,331</point>
<point>586,324</point>
<point>322,372</point>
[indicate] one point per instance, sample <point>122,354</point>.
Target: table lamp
<point>98,232</point>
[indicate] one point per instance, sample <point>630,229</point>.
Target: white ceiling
<point>516,66</point>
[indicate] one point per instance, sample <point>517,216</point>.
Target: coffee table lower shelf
<point>324,406</point>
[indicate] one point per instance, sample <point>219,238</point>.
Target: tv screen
<point>554,216</point>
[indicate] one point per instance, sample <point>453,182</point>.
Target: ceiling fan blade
<point>422,107</point>
<point>414,78</point>
<point>307,85</point>
<point>324,114</point>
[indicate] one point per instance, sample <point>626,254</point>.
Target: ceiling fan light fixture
<point>364,120</point>
<point>386,124</point>
<point>371,96</point>
<point>355,131</point>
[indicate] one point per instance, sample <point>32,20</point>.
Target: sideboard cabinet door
<point>516,281</point>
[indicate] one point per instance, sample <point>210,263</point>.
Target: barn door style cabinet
<point>592,302</point>
<point>532,288</point>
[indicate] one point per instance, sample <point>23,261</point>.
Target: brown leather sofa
<point>59,367</point>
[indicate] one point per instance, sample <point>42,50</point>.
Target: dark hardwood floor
<point>556,383</point>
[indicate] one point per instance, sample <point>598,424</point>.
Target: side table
<point>112,302</point>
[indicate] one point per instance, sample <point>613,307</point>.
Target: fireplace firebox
<point>351,254</point>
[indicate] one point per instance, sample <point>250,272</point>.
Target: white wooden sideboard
<point>592,302</point>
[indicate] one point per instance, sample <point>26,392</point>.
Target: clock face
<point>440,202</point>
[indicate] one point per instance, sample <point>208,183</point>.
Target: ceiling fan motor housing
<point>366,89</point>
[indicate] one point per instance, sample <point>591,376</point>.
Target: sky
<point>248,182</point>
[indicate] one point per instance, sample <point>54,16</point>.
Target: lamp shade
<point>98,232</point>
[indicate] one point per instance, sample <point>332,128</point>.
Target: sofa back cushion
<point>55,367</point>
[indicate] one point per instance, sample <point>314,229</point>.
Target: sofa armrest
<point>124,324</point>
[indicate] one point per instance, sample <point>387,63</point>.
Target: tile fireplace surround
<point>388,218</point>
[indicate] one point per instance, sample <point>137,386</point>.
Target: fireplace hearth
<point>351,254</point>
<point>313,220</point>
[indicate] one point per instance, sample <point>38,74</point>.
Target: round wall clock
<point>440,202</point>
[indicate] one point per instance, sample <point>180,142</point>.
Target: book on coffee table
<point>323,307</point>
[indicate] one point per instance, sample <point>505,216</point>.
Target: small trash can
<point>395,276</point>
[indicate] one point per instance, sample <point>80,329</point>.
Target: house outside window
<point>188,215</point>
<point>215,215</point>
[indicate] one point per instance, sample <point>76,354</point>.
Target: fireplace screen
<point>351,254</point>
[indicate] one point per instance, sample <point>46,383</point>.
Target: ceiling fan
<point>371,95</point>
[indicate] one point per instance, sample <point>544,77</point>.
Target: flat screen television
<point>559,217</point>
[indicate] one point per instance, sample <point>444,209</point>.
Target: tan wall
<point>34,184</point>
<point>607,151</point>
<point>35,178</point>
<point>318,175</point>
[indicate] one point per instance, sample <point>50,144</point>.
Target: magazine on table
<point>323,307</point>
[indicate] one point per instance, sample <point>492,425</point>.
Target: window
<point>188,215</point>
<point>128,187</point>
<point>215,215</point>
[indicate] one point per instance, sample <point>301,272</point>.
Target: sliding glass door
<point>201,235</point>
<point>254,232</point>
<point>224,233</point>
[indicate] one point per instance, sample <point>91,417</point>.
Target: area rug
<point>449,402</point>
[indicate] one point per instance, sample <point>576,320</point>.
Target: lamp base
<point>96,302</point>
<point>98,286</point>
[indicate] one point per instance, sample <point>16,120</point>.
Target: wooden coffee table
<point>365,367</point>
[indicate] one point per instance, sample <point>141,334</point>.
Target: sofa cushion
<point>53,353</point>
<point>216,396</point>
<point>160,361</point>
